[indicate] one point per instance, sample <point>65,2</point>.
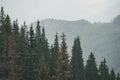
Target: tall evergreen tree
<point>38,40</point>
<point>2,20</point>
<point>23,40</point>
<point>118,77</point>
<point>9,55</point>
<point>30,57</point>
<point>16,35</point>
<point>91,71</point>
<point>77,61</point>
<point>45,47</point>
<point>38,48</point>
<point>38,30</point>
<point>103,71</point>
<point>56,46</point>
<point>31,40</point>
<point>64,68</point>
<point>112,75</point>
<point>23,52</point>
<point>54,51</point>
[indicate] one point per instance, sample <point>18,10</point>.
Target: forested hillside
<point>101,38</point>
<point>26,54</point>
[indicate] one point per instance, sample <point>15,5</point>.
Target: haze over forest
<point>101,38</point>
<point>60,40</point>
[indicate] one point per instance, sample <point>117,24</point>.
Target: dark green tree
<point>118,77</point>
<point>64,68</point>
<point>10,56</point>
<point>38,31</point>
<point>23,40</point>
<point>23,52</point>
<point>103,71</point>
<point>91,71</point>
<point>112,75</point>
<point>45,47</point>
<point>30,56</point>
<point>16,35</point>
<point>31,40</point>
<point>38,40</point>
<point>77,61</point>
<point>56,46</point>
<point>38,48</point>
<point>54,51</point>
<point>2,20</point>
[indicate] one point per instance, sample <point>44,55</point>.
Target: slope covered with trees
<point>25,54</point>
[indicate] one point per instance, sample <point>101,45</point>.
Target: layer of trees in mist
<point>25,54</point>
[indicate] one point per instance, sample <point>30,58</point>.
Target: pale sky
<point>32,10</point>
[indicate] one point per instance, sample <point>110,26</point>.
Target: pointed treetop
<point>91,54</point>
<point>38,22</point>
<point>118,76</point>
<point>104,60</point>
<point>43,32</point>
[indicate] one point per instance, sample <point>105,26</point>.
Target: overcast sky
<point>32,10</point>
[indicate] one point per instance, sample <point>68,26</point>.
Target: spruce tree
<point>23,52</point>
<point>45,47</point>
<point>23,40</point>
<point>38,40</point>
<point>77,61</point>
<point>16,35</point>
<point>103,71</point>
<point>64,68</point>
<point>118,77</point>
<point>30,57</point>
<point>9,54</point>
<point>38,48</point>
<point>112,75</point>
<point>38,30</point>
<point>91,71</point>
<point>54,51</point>
<point>56,47</point>
<point>2,20</point>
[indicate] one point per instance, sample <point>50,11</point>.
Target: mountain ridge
<point>102,39</point>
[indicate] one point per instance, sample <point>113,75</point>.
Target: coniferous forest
<point>25,54</point>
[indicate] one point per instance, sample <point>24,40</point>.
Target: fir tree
<point>118,77</point>
<point>54,51</point>
<point>38,48</point>
<point>2,20</point>
<point>45,47</point>
<point>64,68</point>
<point>77,61</point>
<point>38,40</point>
<point>56,46</point>
<point>91,71</point>
<point>38,31</point>
<point>16,35</point>
<point>23,52</point>
<point>30,57</point>
<point>9,55</point>
<point>103,71</point>
<point>112,75</point>
<point>23,40</point>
